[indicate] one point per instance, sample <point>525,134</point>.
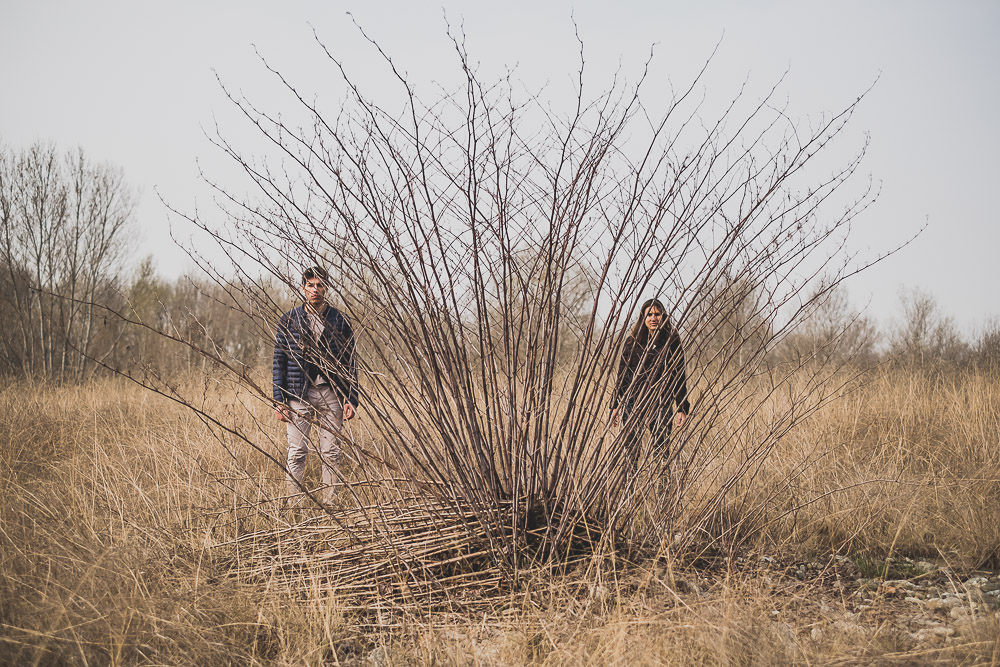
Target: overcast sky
<point>134,83</point>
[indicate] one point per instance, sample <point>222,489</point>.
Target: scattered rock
<point>787,635</point>
<point>850,629</point>
<point>933,604</point>
<point>379,657</point>
<point>958,612</point>
<point>689,587</point>
<point>928,604</point>
<point>599,593</point>
<point>935,634</point>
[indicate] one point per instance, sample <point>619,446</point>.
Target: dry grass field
<point>871,536</point>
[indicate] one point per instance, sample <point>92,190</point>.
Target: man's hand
<point>615,417</point>
<point>284,413</point>
<point>348,411</point>
<point>679,420</point>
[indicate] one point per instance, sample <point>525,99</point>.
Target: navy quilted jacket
<point>299,358</point>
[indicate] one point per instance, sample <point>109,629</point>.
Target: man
<point>315,380</point>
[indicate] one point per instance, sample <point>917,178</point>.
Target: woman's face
<point>653,318</point>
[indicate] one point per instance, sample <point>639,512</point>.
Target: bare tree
<point>65,234</point>
<point>986,349</point>
<point>923,334</point>
<point>832,332</point>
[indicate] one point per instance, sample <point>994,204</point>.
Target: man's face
<point>314,290</point>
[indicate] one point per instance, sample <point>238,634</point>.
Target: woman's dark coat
<point>651,375</point>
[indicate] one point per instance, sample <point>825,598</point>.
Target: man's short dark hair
<point>315,272</point>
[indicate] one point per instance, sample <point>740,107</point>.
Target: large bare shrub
<point>459,226</point>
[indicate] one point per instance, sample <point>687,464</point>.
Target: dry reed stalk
<point>422,556</point>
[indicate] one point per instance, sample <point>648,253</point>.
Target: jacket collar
<point>304,310</point>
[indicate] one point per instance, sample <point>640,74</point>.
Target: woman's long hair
<point>640,332</point>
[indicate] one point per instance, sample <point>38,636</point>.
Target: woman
<point>651,391</point>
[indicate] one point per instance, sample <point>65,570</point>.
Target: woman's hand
<point>679,420</point>
<point>284,413</point>
<point>615,416</point>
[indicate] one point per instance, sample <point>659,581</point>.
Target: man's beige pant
<point>322,415</point>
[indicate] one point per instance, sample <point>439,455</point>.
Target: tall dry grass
<point>109,498</point>
<point>121,513</point>
<point>907,461</point>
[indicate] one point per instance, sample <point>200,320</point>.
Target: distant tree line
<point>833,331</point>
<point>74,302</point>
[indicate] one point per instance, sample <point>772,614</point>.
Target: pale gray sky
<point>133,84</point>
